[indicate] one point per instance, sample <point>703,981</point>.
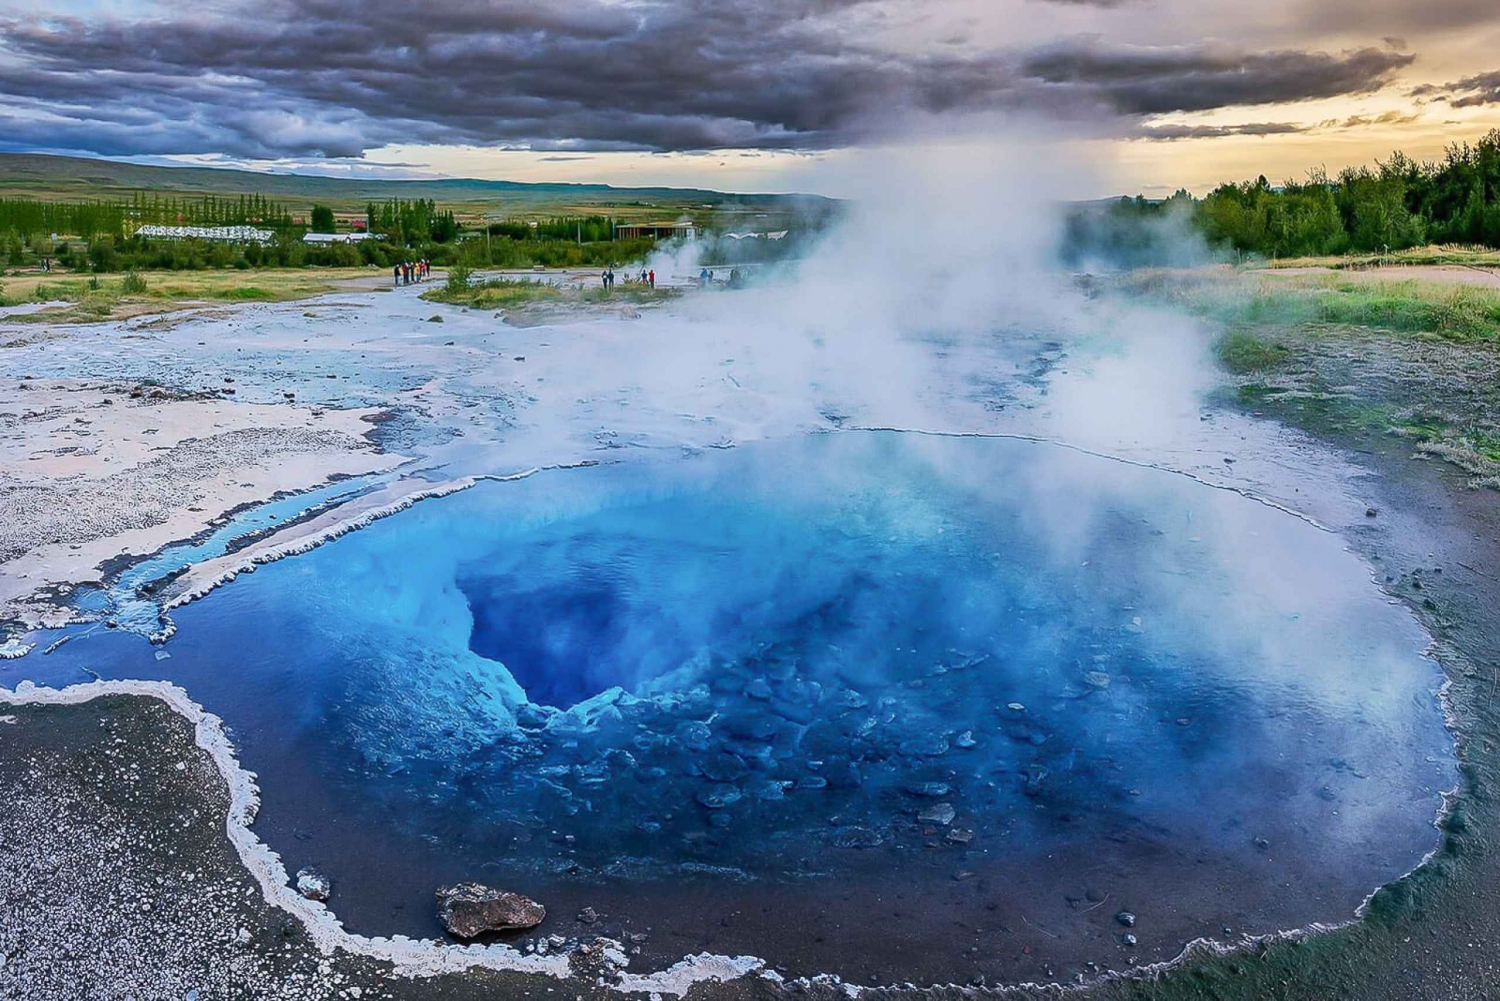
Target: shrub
<point>134,284</point>
<point>459,279</point>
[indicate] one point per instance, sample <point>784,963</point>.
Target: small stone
<point>960,836</point>
<point>966,740</point>
<point>1095,895</point>
<point>1016,707</point>
<point>469,909</point>
<point>856,837</point>
<point>719,796</point>
<point>1128,939</point>
<point>312,884</point>
<point>588,916</point>
<point>434,318</point>
<point>941,814</point>
<point>928,790</point>
<point>1371,512</point>
<point>1096,679</point>
<point>1126,918</point>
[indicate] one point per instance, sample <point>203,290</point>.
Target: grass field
<point>1417,359</point>
<point>1417,306</point>
<point>1444,254</point>
<point>88,299</point>
<point>474,201</point>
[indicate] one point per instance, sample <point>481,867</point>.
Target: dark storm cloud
<point>1153,81</point>
<point>337,77</point>
<point>1470,92</point>
<point>1173,133</point>
<point>1412,16</point>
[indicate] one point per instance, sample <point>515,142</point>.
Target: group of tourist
<point>408,272</point>
<point>607,279</point>
<point>706,278</point>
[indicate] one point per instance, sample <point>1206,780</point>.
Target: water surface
<point>860,702</point>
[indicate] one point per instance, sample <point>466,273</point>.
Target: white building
<point>325,239</point>
<point>219,234</point>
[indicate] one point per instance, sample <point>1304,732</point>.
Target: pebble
<point>941,814</point>
<point>1126,918</point>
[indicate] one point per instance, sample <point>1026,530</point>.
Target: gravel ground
<point>118,881</point>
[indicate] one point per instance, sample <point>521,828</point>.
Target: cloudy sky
<point>746,94</point>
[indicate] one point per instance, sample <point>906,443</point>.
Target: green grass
<point>1454,312</point>
<point>1431,255</point>
<point>493,294</point>
<point>501,293</point>
<point>1243,352</point>
<point>91,298</point>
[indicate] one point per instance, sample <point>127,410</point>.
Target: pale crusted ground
<point>90,472</point>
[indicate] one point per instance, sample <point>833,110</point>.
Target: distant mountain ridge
<point>46,175</point>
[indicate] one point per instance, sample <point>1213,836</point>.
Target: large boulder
<point>469,909</point>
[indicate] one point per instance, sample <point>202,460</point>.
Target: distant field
<point>58,178</point>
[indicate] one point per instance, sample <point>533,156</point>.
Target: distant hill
<point>65,177</point>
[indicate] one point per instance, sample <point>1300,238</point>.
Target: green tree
<point>322,219</point>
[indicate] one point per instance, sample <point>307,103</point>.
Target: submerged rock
<point>857,837</point>
<point>469,909</point>
<point>313,885</point>
<point>928,790</point>
<point>941,814</point>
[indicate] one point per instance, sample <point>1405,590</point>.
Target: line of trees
<point>579,229</point>
<point>27,218</point>
<point>411,222</point>
<point>1396,204</point>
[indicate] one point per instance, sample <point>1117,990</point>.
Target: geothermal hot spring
<point>880,704</point>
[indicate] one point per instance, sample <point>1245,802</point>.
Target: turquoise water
<point>774,658</point>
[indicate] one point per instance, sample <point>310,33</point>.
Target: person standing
<point>652,278</point>
<point>396,275</point>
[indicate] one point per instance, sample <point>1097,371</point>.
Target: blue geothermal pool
<point>852,653</point>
